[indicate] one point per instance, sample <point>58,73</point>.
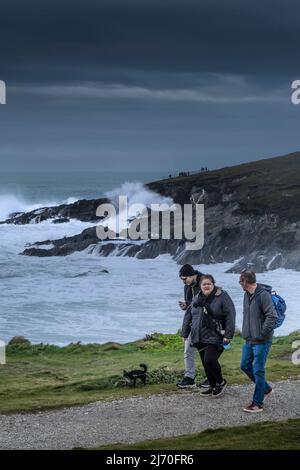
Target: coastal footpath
<point>137,419</point>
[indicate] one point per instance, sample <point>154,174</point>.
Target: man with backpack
<point>259,321</point>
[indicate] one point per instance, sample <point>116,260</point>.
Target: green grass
<point>46,376</point>
<point>259,436</point>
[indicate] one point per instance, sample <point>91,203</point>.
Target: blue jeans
<point>253,363</point>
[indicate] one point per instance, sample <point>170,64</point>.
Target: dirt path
<point>138,418</point>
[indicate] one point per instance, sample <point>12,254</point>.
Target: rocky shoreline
<point>83,210</point>
<point>252,214</point>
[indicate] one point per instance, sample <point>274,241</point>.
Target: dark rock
<point>276,262</point>
<point>84,210</point>
<point>37,252</point>
<point>257,263</point>
<point>19,340</point>
<point>153,248</point>
<point>291,260</point>
<point>15,214</point>
<point>111,346</point>
<point>61,220</point>
<point>64,246</point>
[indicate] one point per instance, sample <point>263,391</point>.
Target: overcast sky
<point>146,84</point>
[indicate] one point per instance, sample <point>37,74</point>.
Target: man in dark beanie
<point>191,281</point>
<point>187,271</point>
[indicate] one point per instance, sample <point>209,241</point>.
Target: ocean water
<point>67,299</point>
<point>29,190</point>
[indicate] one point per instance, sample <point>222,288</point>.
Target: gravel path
<point>139,418</point>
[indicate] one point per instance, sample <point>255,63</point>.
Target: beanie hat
<point>187,270</point>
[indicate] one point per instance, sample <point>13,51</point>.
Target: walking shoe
<point>219,389</point>
<point>186,382</point>
<point>253,408</point>
<point>204,384</point>
<point>269,392</point>
<point>207,393</point>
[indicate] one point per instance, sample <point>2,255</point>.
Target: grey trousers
<point>189,358</point>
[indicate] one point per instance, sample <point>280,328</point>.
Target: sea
<point>59,300</point>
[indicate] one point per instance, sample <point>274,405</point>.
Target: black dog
<point>132,376</point>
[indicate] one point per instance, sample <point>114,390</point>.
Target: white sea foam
<point>137,194</point>
<point>14,238</point>
<point>9,203</point>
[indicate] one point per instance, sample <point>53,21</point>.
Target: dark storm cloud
<point>77,40</point>
<point>143,83</point>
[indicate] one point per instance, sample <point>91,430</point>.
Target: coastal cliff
<point>252,214</point>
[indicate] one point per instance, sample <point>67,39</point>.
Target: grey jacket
<point>259,315</point>
<point>223,314</point>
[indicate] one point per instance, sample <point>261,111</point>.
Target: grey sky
<point>141,84</point>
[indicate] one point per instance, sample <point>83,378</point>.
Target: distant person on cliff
<point>212,328</point>
<point>191,280</point>
<point>259,318</point>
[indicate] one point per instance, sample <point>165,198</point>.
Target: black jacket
<point>189,294</point>
<point>259,315</point>
<point>221,317</point>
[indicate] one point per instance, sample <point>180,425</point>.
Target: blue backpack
<point>280,307</point>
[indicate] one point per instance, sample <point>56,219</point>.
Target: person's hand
<point>226,340</point>
<point>182,305</point>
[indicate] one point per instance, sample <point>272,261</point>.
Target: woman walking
<point>213,326</point>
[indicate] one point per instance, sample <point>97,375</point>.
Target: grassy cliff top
<point>46,376</point>
<point>273,185</point>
